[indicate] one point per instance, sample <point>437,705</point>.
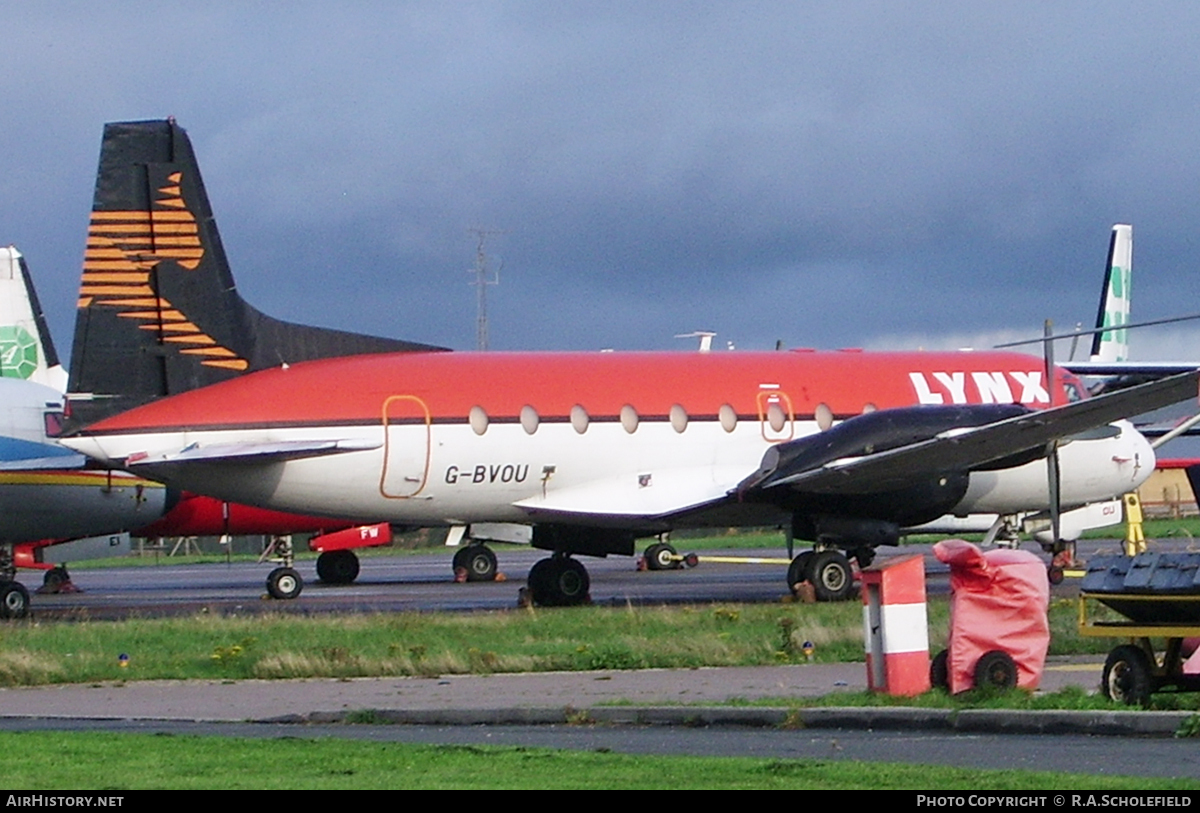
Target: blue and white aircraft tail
<point>1113,345</point>
<point>26,349</point>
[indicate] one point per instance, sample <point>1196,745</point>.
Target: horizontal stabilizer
<point>253,452</point>
<point>54,463</point>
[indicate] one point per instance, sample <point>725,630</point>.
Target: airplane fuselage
<point>644,441</point>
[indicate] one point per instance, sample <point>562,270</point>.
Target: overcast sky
<point>826,174</point>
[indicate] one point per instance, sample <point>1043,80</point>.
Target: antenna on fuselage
<point>705,337</point>
<point>481,283</point>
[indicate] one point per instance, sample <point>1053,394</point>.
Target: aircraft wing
<point>277,451</point>
<point>1138,368</point>
<point>972,447</point>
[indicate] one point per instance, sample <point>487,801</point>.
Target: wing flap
<point>648,495</point>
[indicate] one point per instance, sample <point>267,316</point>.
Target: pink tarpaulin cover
<point>999,601</point>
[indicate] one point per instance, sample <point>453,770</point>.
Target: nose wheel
<point>283,582</point>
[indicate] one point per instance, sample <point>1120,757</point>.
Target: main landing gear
<point>282,582</point>
<point>14,598</point>
<point>337,566</point>
<point>828,571</point>
<point>559,581</point>
<point>475,563</point>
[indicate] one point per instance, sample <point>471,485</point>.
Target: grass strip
<point>106,761</point>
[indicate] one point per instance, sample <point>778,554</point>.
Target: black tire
<point>559,582</point>
<point>537,582</point>
<point>800,570</point>
<point>865,556</point>
<point>1055,574</point>
<point>939,670</point>
<point>55,578</point>
<point>831,577</point>
<point>14,600</point>
<point>478,561</point>
<point>1128,676</point>
<point>337,567</point>
<point>284,583</point>
<point>659,556</point>
<point>996,670</point>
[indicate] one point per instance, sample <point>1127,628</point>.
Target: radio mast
<point>481,283</point>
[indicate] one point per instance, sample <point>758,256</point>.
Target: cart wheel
<point>997,670</point>
<point>1055,574</point>
<point>939,670</point>
<point>1128,677</point>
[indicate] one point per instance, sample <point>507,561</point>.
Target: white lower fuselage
<point>443,474</point>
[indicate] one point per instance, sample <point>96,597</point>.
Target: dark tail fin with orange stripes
<point>158,309</point>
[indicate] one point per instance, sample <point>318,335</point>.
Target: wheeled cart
<point>1158,596</point>
<point>999,630</point>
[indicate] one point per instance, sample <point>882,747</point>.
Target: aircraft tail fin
<point>1113,345</point>
<point>26,349</point>
<point>158,310</point>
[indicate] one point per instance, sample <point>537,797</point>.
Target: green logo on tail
<point>18,352</point>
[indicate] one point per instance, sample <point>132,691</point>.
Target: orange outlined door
<point>775,415</point>
<point>406,427</point>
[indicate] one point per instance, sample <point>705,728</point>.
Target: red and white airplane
<point>594,450</point>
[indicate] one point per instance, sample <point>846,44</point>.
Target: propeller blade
<point>1054,483</point>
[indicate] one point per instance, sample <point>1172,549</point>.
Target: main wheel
<point>939,670</point>
<point>996,669</point>
<point>559,582</point>
<point>284,583</point>
<point>14,600</point>
<point>1128,677</point>
<point>800,570</point>
<point>478,561</point>
<point>660,556</point>
<point>831,577</point>
<point>337,567</point>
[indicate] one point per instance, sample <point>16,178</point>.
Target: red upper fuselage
<point>351,390</point>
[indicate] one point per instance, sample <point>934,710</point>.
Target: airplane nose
<point>1140,455</point>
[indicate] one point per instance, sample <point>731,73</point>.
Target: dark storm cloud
<point>825,174</point>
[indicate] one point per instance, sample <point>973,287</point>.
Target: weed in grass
<point>1189,727</point>
<point>23,668</point>
<point>365,717</point>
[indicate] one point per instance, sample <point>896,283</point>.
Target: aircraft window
<point>728,417</point>
<point>529,419</point>
<point>869,408</point>
<point>776,417</point>
<point>824,416</point>
<point>629,419</point>
<point>579,418</point>
<point>679,418</point>
<point>54,424</point>
<point>478,419</point>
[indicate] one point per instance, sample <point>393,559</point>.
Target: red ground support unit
<point>895,626</point>
<point>366,536</point>
<point>999,603</point>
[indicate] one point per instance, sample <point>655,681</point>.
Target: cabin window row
<point>677,416</point>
